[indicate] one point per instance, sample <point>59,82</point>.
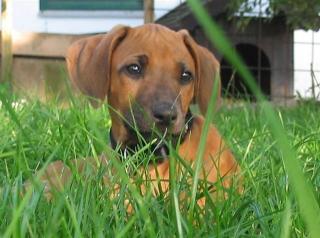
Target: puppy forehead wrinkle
<point>155,42</point>
<point>155,34</point>
<point>140,58</point>
<point>153,29</point>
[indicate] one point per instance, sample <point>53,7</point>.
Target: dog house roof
<point>177,17</point>
<point>182,17</point>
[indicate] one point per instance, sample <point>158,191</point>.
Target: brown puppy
<point>150,75</point>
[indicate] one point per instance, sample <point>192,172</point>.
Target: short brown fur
<point>97,66</point>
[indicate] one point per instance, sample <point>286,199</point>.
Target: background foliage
<point>299,13</point>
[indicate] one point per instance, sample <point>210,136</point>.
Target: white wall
<point>306,57</point>
<point>28,18</point>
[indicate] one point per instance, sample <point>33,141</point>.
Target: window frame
<point>91,5</point>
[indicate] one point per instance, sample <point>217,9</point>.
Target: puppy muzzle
<point>159,142</point>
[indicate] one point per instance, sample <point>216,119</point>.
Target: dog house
<point>265,45</point>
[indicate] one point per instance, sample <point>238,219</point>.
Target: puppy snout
<point>164,113</point>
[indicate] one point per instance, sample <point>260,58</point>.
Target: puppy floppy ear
<point>207,70</point>
<point>89,62</point>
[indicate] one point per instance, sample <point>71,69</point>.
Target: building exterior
<point>42,30</point>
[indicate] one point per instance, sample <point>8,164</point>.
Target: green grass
<point>86,208</point>
<point>278,149</point>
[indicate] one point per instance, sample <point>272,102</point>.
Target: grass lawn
<point>33,133</point>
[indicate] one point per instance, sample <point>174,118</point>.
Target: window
<point>91,5</point>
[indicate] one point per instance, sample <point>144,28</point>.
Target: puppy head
<point>150,75</point>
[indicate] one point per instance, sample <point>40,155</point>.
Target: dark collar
<point>159,149</point>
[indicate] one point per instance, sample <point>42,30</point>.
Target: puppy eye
<point>134,69</point>
<point>186,77</point>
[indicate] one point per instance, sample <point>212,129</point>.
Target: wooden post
<point>148,11</point>
<point>6,42</point>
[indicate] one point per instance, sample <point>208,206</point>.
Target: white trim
<point>91,14</point>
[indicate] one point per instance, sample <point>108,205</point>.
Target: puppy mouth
<point>155,133</point>
<point>155,137</point>
<point>156,142</point>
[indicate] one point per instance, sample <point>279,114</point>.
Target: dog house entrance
<point>259,65</point>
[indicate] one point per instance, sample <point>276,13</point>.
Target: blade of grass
<point>202,144</point>
<point>124,231</point>
<point>72,212</point>
<point>286,220</point>
<point>24,203</point>
<point>17,214</point>
<point>303,191</point>
<point>174,192</point>
<point>6,103</point>
<point>137,196</point>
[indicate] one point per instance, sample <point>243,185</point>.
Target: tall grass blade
<point>6,104</point>
<point>174,192</point>
<point>309,208</point>
<point>286,220</point>
<point>137,196</point>
<point>202,143</point>
<point>73,216</point>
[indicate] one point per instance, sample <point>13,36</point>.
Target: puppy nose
<point>164,113</point>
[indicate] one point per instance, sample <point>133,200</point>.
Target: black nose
<point>164,113</point>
